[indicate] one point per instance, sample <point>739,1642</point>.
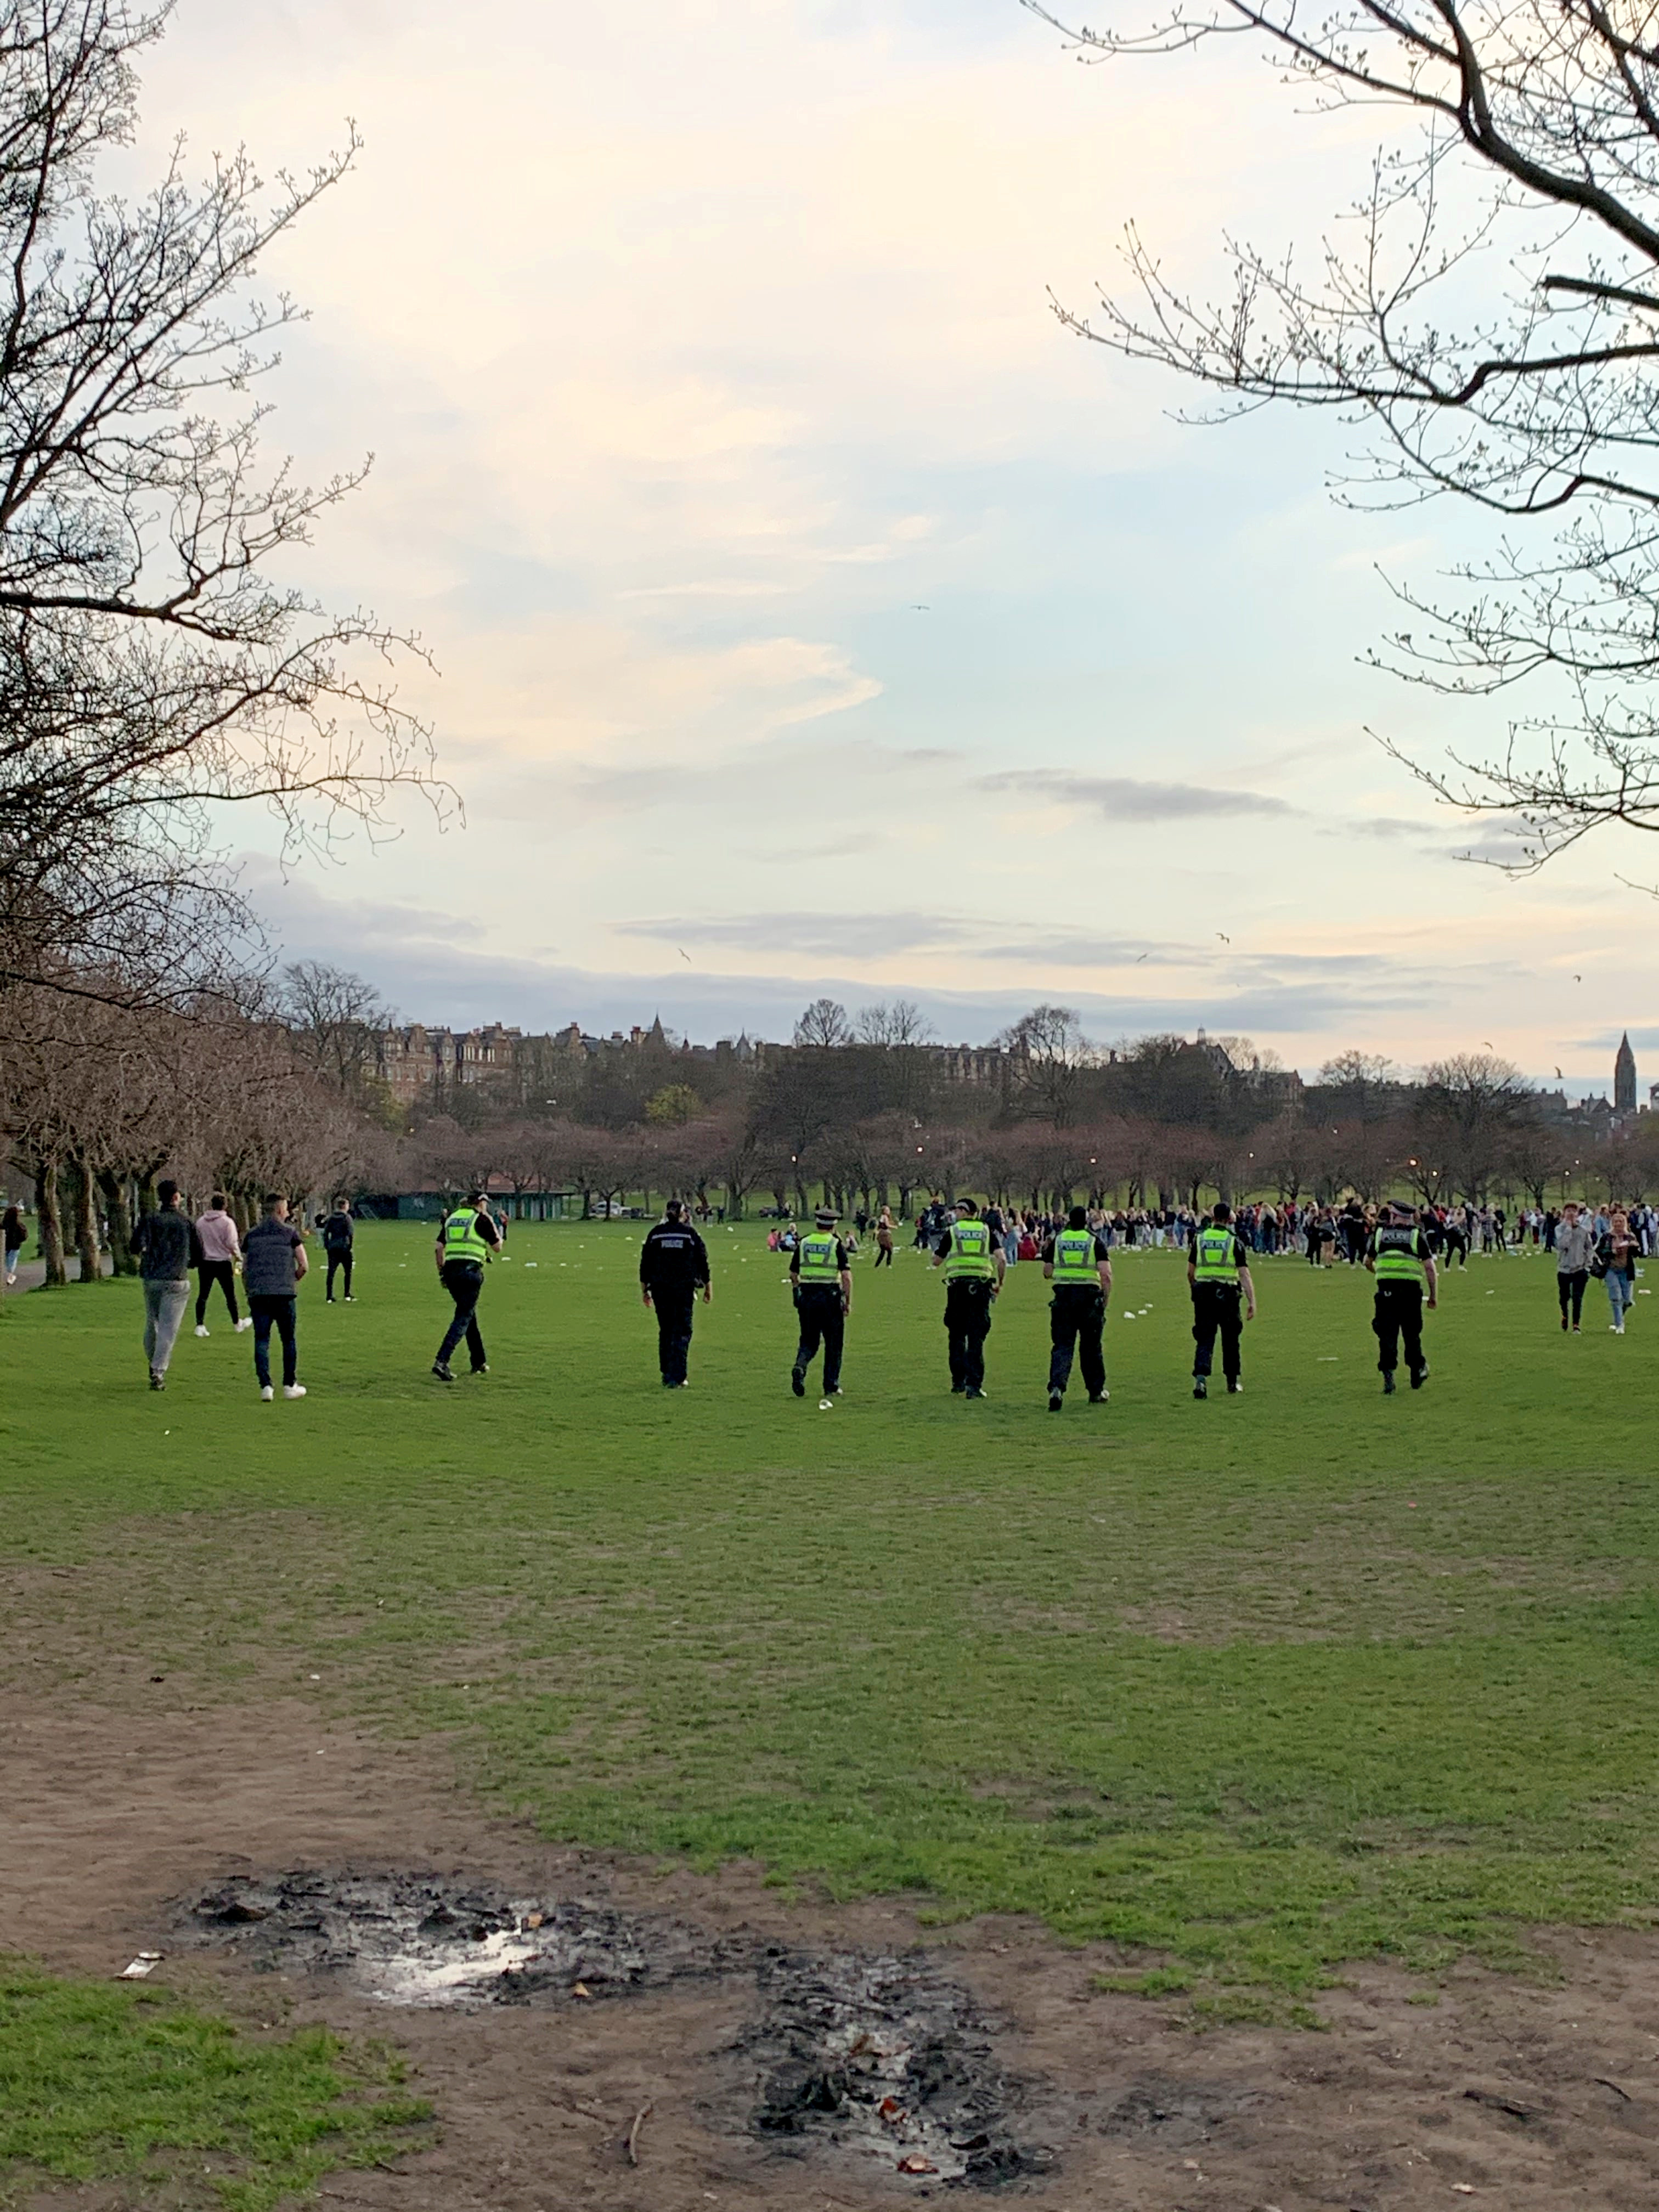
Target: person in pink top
<point>222,1252</point>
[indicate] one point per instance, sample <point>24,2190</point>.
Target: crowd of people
<point>1406,1249</point>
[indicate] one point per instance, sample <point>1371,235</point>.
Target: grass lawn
<point>1262,1685</point>
<point>98,2082</point>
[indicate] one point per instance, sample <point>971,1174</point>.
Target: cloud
<point>1128,798</point>
<point>828,936</point>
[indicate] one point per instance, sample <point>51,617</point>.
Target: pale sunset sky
<point>814,614</point>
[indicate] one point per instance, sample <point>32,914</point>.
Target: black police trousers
<point>1217,1309</point>
<point>1399,1316</point>
<point>1077,1315</point>
<point>822,1322</point>
<point>674,1312</point>
<point>464,1279</point>
<point>968,1323</point>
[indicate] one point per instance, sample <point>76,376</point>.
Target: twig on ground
<point>1602,2083</point>
<point>640,2119</point>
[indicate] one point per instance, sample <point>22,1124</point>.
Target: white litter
<point>532,1263</point>
<point>144,1963</point>
<point>826,1405</point>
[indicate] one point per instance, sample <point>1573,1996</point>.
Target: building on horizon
<point>1624,1077</point>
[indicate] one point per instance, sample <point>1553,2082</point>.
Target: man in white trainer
<point>273,1267</point>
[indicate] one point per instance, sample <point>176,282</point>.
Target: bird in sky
<point>1140,956</point>
<point>683,954</point>
<point>1490,1046</point>
<point>1222,935</point>
<point>1577,979</point>
<point>1557,1075</point>
<point>917,608</point>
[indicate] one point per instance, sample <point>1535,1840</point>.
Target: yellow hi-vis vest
<point>461,1237</point>
<point>970,1259</point>
<point>1212,1254</point>
<point>1074,1260</point>
<point>817,1258</point>
<point>1396,1259</point>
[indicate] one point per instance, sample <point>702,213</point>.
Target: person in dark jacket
<point>166,1248</point>
<point>673,1270</point>
<point>338,1231</point>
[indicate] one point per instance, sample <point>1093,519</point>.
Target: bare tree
<point>898,1023</point>
<point>1523,139</point>
<point>1472,1104</point>
<point>1048,1052</point>
<point>824,1023</point>
<point>151,667</point>
<point>337,1020</point>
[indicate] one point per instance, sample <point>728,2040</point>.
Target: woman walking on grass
<point>1615,1260</point>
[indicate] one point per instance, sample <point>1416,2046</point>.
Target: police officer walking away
<point>1078,1264</point>
<point>822,1276</point>
<point>974,1268</point>
<point>1219,1276</point>
<point>466,1243</point>
<point>673,1268</point>
<point>1397,1253</point>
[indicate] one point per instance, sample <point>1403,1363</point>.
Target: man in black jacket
<point>338,1234</point>
<point>673,1268</point>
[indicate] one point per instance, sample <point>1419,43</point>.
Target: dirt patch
<point>112,1816</point>
<point>883,2056</point>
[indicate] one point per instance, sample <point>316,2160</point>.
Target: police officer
<point>1219,1276</point>
<point>974,1268</point>
<point>1397,1253</point>
<point>1078,1264</point>
<point>821,1275</point>
<point>673,1268</point>
<point>466,1243</point>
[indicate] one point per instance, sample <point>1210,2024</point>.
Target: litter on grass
<point>143,1965</point>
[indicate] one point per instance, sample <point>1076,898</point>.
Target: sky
<point>809,610</point>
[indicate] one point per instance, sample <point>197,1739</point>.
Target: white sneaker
<point>246,1321</point>
<point>200,1331</point>
<point>267,1394</point>
<point>294,1390</point>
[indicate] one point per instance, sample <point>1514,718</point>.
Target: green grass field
<point>1262,1685</point>
<point>99,2081</point>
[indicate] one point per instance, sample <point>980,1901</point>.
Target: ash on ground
<point>884,2056</point>
<point>876,2057</point>
<point>420,1939</point>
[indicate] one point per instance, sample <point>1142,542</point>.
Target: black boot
<point>1201,1386</point>
<point>1388,1382</point>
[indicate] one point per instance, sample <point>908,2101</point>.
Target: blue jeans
<point>1621,1293</point>
<point>280,1311</point>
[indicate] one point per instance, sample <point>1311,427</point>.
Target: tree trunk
<point>86,1224</point>
<point>120,1221</point>
<point>51,1221</point>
